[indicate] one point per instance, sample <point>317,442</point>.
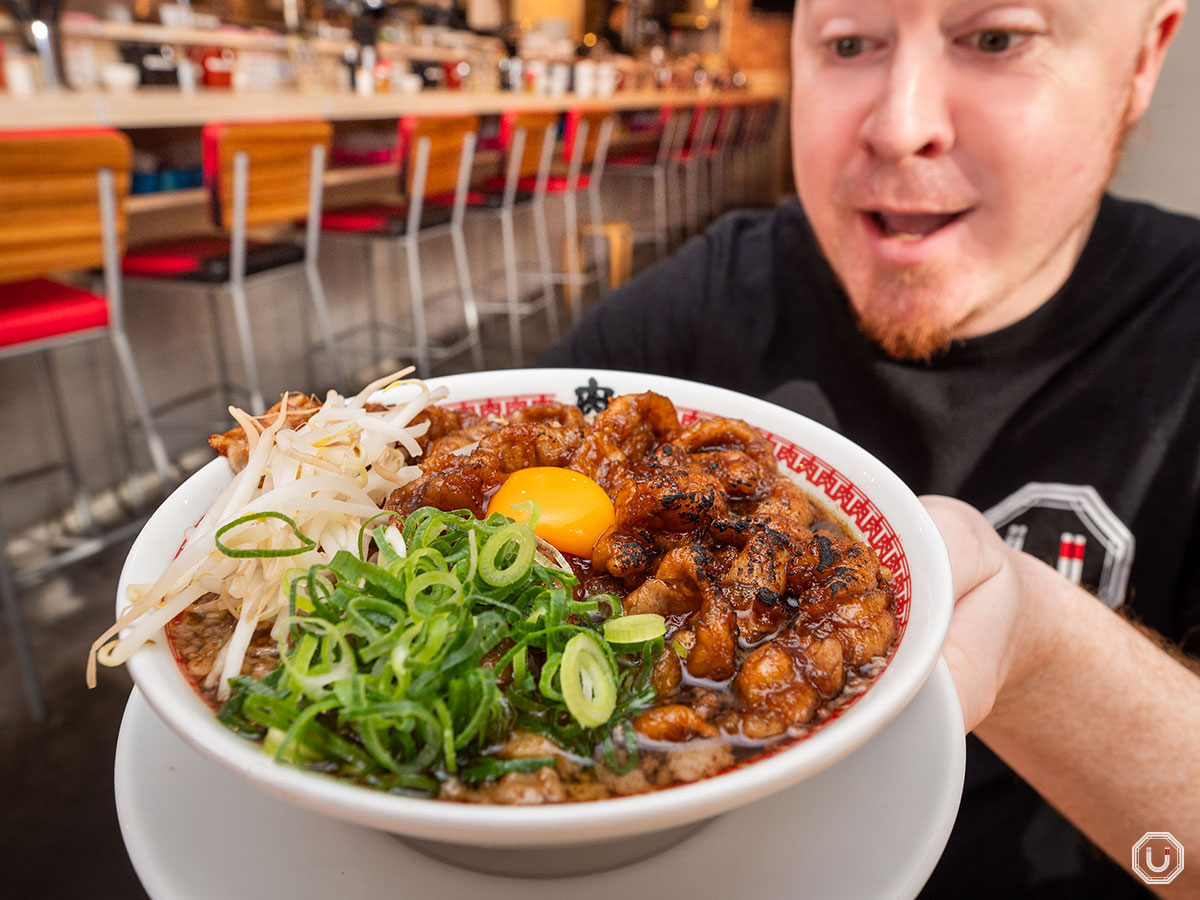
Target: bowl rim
<point>156,672</point>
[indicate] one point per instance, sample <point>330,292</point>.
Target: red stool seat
<point>40,308</point>
<point>555,184</point>
<point>632,159</point>
<point>490,197</point>
<point>205,259</point>
<point>382,219</point>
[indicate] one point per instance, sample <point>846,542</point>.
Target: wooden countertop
<point>167,107</point>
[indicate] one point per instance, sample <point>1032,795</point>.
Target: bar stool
<point>752,142</point>
<point>660,165</point>
<point>586,135</point>
<point>695,154</point>
<point>257,174</point>
<point>436,156</point>
<point>527,140</point>
<point>726,129</point>
<point>62,206</point>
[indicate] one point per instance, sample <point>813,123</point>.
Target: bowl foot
<point>555,860</point>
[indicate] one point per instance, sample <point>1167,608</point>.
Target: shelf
<point>252,39</point>
<point>164,200</point>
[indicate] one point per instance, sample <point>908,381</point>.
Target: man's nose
<point>911,115</point>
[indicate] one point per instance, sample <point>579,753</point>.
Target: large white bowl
<point>591,835</point>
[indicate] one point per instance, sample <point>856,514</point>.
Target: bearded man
<point>955,291</point>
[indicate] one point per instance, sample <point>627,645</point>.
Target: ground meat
<point>197,638</point>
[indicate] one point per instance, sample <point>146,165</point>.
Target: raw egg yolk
<point>575,511</point>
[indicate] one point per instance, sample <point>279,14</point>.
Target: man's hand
<point>986,647</point>
<point>1098,719</point>
<point>993,643</point>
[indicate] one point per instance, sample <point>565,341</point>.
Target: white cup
<point>18,75</point>
<point>585,79</point>
<point>606,79</point>
<point>120,77</point>
<point>560,79</point>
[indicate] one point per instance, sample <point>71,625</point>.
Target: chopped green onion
<point>635,629</point>
<point>389,673</point>
<point>588,687</point>
<point>523,547</point>
<point>306,543</point>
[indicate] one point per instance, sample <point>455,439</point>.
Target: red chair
<point>727,127</point>
<point>695,154</point>
<point>62,196</point>
<point>527,140</point>
<point>436,155</point>
<point>586,135</point>
<point>256,174</point>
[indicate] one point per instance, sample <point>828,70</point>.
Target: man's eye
<point>994,40</point>
<point>848,47</point>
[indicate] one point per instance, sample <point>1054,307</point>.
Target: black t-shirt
<point>1076,430</point>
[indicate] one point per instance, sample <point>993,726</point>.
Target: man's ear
<point>1161,28</point>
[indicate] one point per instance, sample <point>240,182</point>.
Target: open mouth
<point>912,227</point>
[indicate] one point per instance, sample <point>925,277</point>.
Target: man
<point>955,292</point>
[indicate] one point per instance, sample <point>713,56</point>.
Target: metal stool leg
<point>662,224</point>
<point>466,291</point>
<point>371,277</point>
<point>213,295</point>
<point>237,286</point>
<point>508,240</point>
<point>575,283</point>
<point>316,290</point>
<point>158,450</point>
<point>545,266</point>
<point>417,299</point>
<point>82,502</point>
<point>241,316</point>
<point>601,246</point>
<point>316,294</point>
<point>20,636</point>
<point>136,494</point>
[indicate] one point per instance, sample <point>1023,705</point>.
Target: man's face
<point>950,154</point>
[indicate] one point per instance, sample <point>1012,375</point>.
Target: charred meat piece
<point>547,413</point>
<point>679,585</point>
<point>773,688</point>
<point>621,435</point>
<point>669,500</point>
<point>715,629</point>
<point>729,434</point>
<point>525,444</point>
<point>442,422</point>
<point>451,482</point>
<point>756,582</point>
<point>672,723</point>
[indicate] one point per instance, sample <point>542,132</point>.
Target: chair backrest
<point>703,128</point>
<point>446,137</point>
<point>595,119</point>
<point>728,123</point>
<point>280,156</point>
<point>535,125</point>
<point>50,214</point>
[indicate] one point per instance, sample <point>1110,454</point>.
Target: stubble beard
<point>917,336</point>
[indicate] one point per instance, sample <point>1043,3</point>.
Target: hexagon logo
<point>1070,527</point>
<point>1158,857</point>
